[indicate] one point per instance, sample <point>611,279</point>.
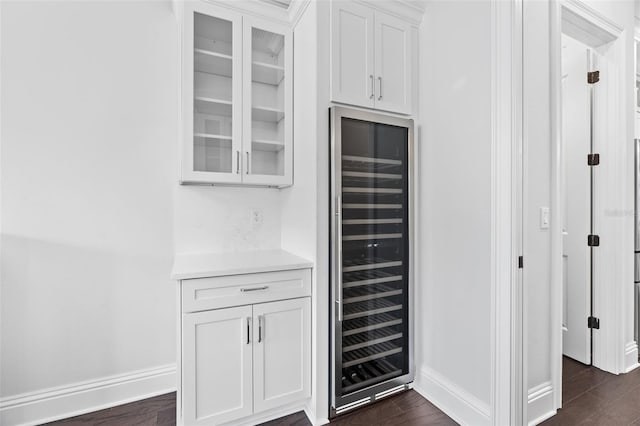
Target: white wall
<point>91,208</point>
<point>454,278</point>
<point>88,137</point>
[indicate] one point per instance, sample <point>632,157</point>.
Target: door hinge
<point>593,159</point>
<point>593,77</point>
<point>593,240</point>
<point>593,322</point>
<point>520,262</point>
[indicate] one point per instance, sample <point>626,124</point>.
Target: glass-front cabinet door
<point>237,95</point>
<point>212,93</point>
<point>267,130</point>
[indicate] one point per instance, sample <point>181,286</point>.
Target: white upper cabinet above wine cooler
<point>236,98</point>
<point>371,64</point>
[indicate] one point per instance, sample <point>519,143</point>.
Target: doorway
<point>579,81</point>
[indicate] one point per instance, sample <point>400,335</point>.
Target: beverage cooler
<point>371,256</point>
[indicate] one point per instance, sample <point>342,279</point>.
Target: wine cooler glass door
<point>372,318</point>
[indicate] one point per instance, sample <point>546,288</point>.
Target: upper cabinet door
<point>268,99</point>
<point>393,64</point>
<point>217,358</point>
<point>281,352</point>
<point>352,54</point>
<point>211,94</point>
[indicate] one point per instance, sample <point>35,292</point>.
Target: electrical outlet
<point>255,217</point>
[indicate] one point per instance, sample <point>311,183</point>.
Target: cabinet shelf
<point>212,106</point>
<point>210,62</point>
<point>266,113</point>
<point>263,72</point>
<point>267,145</point>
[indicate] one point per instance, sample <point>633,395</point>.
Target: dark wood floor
<point>407,408</point>
<point>592,397</point>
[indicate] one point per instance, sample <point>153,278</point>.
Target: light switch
<point>544,218</point>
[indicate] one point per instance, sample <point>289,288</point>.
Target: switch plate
<point>544,218</point>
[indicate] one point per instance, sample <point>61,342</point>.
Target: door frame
<point>582,22</point>
<point>508,366</point>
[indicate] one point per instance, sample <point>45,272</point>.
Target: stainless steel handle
<point>248,330</point>
<point>264,287</point>
<point>237,162</point>
<point>379,88</point>
<point>259,328</point>
<point>338,219</point>
<point>372,88</point>
<point>248,162</point>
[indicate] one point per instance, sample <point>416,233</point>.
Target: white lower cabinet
<point>281,353</point>
<point>244,360</point>
<point>217,378</point>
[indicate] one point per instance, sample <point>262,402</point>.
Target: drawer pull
<point>254,288</point>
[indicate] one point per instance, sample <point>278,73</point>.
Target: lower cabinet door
<point>217,373</point>
<point>282,352</point>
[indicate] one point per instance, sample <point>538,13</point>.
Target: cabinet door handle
<point>259,328</point>
<point>372,88</point>
<point>379,88</point>
<point>264,287</point>
<point>248,330</point>
<point>237,162</point>
<point>248,162</point>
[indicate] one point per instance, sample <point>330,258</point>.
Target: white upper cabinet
<point>371,58</point>
<point>267,133</point>
<point>352,66</point>
<point>236,98</point>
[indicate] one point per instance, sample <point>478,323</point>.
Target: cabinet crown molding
<point>411,11</point>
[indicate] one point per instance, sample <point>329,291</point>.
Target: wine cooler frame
<point>343,403</point>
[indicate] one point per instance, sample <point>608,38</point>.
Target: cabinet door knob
<point>259,328</point>
<point>248,162</point>
<point>248,330</point>
<point>237,162</point>
<point>379,88</point>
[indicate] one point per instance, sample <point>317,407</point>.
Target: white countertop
<point>202,265</point>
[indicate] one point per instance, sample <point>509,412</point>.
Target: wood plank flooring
<point>407,408</point>
<point>592,397</point>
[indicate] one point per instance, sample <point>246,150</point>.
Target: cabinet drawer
<point>219,292</point>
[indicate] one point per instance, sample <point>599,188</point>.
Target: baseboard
<point>540,403</point>
<point>79,398</point>
<point>313,419</point>
<point>454,401</point>
<point>631,357</point>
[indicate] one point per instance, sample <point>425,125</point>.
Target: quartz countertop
<point>202,265</point>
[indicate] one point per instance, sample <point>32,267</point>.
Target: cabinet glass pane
<point>212,91</point>
<point>375,257</point>
<point>267,108</point>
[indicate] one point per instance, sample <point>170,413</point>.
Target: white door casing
<point>576,188</point>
